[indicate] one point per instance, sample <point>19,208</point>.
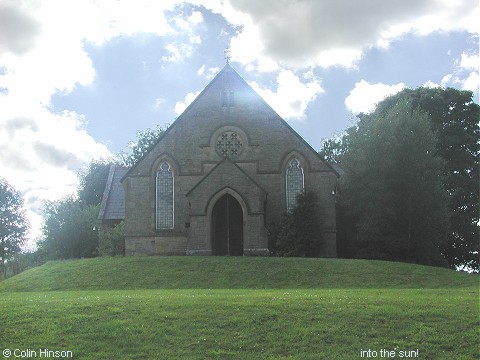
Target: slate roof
<point>337,167</point>
<point>113,200</point>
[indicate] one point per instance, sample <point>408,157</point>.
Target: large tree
<point>393,189</point>
<point>13,223</point>
<point>454,116</point>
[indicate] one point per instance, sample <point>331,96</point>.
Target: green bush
<point>299,232</point>
<point>111,241</point>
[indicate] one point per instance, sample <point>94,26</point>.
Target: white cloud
<point>181,106</point>
<point>471,83</point>
<point>100,21</point>
<point>365,96</point>
<point>469,61</point>
<point>176,52</point>
<point>40,155</point>
<point>182,51</point>
<point>465,74</point>
<point>431,84</point>
<point>208,73</point>
<point>326,33</point>
<point>292,96</point>
<point>188,23</point>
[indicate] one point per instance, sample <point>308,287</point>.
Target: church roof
<point>112,206</point>
<point>227,74</point>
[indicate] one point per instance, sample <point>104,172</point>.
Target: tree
<point>393,189</point>
<point>454,116</point>
<point>13,223</point>
<point>145,140</point>
<point>93,181</point>
<point>335,148</point>
<point>298,233</point>
<point>70,230</point>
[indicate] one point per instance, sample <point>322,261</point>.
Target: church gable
<point>226,175</point>
<point>228,118</point>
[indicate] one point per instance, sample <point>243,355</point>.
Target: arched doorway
<point>227,227</point>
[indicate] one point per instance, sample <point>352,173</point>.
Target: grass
<point>204,272</point>
<point>247,308</point>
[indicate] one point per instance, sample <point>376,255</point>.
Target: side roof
<point>112,206</point>
<point>229,68</point>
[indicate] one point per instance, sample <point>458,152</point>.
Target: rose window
<point>229,144</point>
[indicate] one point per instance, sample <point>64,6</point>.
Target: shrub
<point>111,241</point>
<point>299,232</point>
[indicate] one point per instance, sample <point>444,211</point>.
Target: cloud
<point>292,96</point>
<point>365,96</point>
<point>188,23</point>
<point>180,51</point>
<point>54,156</point>
<point>332,32</point>
<point>208,73</point>
<point>18,30</point>
<point>469,61</point>
<point>181,106</point>
<point>41,152</point>
<point>18,123</point>
<point>465,74</point>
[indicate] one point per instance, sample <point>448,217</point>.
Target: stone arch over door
<point>227,214</point>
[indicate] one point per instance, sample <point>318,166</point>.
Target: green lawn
<point>247,308</point>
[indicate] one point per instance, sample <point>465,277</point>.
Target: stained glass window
<point>165,197</point>
<point>294,183</point>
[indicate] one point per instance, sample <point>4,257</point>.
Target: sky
<point>79,78</point>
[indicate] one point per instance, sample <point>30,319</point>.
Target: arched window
<point>294,181</point>
<point>164,208</point>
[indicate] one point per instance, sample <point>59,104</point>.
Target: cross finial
<point>227,55</point>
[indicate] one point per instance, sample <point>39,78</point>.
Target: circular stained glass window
<point>229,143</point>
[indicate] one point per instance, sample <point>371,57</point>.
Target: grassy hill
<point>231,272</point>
<point>240,308</point>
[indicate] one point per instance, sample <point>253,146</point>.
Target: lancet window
<point>165,196</point>
<point>294,183</point>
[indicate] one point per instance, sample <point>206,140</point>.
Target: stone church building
<point>225,169</point>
